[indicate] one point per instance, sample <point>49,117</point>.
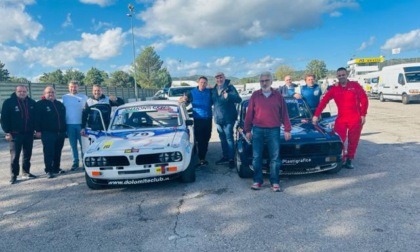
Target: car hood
<point>308,130</point>
<point>137,140</point>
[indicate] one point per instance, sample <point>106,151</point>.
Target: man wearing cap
<point>224,97</point>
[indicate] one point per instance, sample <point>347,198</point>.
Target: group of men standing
<point>220,100</point>
<point>267,112</point>
<point>50,120</point>
<point>22,119</point>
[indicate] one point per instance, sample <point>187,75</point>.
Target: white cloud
<point>68,21</point>
<point>201,23</point>
<point>336,14</point>
<point>16,24</point>
<point>407,41</point>
<point>223,61</point>
<point>366,44</point>
<point>101,3</point>
<point>99,25</point>
<point>103,46</point>
<point>228,64</point>
<point>66,54</point>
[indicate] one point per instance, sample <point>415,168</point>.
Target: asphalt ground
<point>375,207</point>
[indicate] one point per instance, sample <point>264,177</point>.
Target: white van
<point>370,83</point>
<point>400,82</point>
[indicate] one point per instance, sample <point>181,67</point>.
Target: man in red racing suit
<point>352,104</point>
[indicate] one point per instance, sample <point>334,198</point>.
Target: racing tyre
<point>188,176</point>
<point>336,169</point>
<point>244,171</point>
<point>91,184</point>
<point>405,99</point>
<point>381,97</point>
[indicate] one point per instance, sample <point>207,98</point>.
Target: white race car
<point>145,142</point>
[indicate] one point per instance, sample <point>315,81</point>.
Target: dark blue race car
<point>312,149</point>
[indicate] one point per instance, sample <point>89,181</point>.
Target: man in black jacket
<point>50,126</point>
<point>17,121</point>
<point>225,96</point>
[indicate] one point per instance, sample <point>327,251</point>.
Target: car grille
<point>297,150</point>
<point>110,161</point>
<point>158,158</point>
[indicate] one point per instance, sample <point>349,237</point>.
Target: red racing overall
<point>352,104</point>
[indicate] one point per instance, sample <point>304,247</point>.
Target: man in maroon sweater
<point>267,111</point>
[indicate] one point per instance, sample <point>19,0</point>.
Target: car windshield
<point>412,77</point>
<point>296,108</point>
<point>179,91</point>
<point>150,116</point>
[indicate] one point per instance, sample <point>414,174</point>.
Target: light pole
<point>130,15</point>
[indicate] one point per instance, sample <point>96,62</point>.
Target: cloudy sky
<point>241,38</point>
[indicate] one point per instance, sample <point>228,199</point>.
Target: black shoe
<point>348,164</point>
<point>13,180</point>
<point>231,164</point>
<point>28,176</point>
<point>74,167</point>
<point>202,162</point>
<point>50,175</point>
<point>221,161</point>
<point>59,171</point>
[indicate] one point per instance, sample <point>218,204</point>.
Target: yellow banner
<point>369,60</point>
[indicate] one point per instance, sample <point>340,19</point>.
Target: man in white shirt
<point>74,103</point>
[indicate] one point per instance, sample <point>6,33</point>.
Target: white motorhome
<point>400,82</point>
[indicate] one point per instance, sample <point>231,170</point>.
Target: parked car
<point>148,141</point>
<point>160,95</point>
<point>312,149</point>
<point>175,92</point>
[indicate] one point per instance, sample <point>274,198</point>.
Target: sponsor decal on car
<point>137,181</point>
<point>132,150</point>
<point>296,161</point>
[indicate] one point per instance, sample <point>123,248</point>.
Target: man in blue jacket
<point>201,101</point>
<point>311,92</point>
<point>225,96</point>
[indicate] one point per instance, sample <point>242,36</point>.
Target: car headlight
<point>164,157</point>
<point>101,161</point>
<point>176,156</point>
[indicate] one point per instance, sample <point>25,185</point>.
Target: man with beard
<point>18,122</point>
<point>266,112</point>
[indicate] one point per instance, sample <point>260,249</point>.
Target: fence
<point>36,90</point>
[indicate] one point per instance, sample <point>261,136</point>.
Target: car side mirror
<point>325,115</point>
<point>189,122</point>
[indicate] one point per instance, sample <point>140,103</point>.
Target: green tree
<point>282,71</point>
<point>120,79</point>
<point>317,68</point>
<point>164,79</point>
<point>55,77</point>
<point>149,72</point>
<point>19,80</point>
<point>95,76</point>
<point>4,73</point>
<point>73,74</point>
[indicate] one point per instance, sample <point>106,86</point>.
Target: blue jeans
<point>226,139</point>
<point>73,133</point>
<point>270,136</point>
